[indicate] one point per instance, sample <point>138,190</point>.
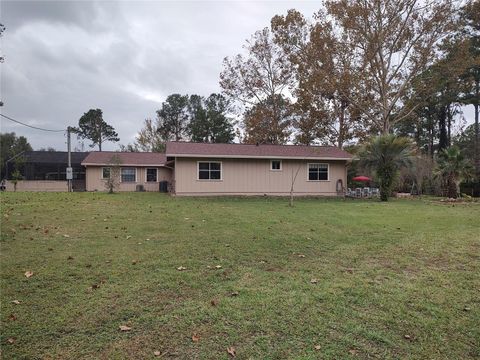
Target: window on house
<point>105,173</point>
<point>276,165</point>
<point>210,170</point>
<point>128,174</point>
<point>151,175</point>
<point>317,172</point>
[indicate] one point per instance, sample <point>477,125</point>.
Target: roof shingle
<point>126,158</point>
<point>190,149</point>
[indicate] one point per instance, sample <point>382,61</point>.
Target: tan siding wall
<point>95,182</point>
<point>38,185</point>
<point>254,177</point>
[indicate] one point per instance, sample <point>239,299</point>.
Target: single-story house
<point>138,170</point>
<point>243,169</point>
<point>200,169</point>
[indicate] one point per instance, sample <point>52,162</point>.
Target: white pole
<point>69,158</point>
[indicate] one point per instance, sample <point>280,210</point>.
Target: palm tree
<point>454,168</point>
<point>386,155</point>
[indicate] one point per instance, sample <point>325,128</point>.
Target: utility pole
<point>69,172</point>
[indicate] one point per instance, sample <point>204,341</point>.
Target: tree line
<point>186,118</point>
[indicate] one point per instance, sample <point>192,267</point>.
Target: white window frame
<point>146,179</point>
<point>318,163</point>
<point>208,161</point>
<point>128,167</point>
<point>271,163</point>
<point>101,174</point>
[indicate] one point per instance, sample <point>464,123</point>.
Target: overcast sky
<point>63,58</point>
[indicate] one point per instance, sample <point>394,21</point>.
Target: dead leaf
<point>353,351</point>
<point>70,258</point>
<point>408,337</point>
<point>314,281</point>
<point>16,302</point>
<point>129,236</point>
<point>28,274</point>
<point>181,268</point>
<point>11,340</point>
<point>65,235</point>
<point>466,308</point>
<point>12,317</point>
<point>317,347</point>
<point>124,328</point>
<point>157,353</point>
<point>301,255</point>
<point>214,302</point>
<point>349,270</point>
<point>134,262</point>
<point>231,351</point>
<point>195,338</point>
<point>235,293</point>
<point>218,266</point>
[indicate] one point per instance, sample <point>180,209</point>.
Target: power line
<point>30,126</point>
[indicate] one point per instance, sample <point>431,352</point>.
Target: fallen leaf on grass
<point>16,302</point>
<point>195,338</point>
<point>466,308</point>
<point>407,337</point>
<point>12,317</point>
<point>353,351</point>
<point>317,347</point>
<point>28,274</point>
<point>301,255</point>
<point>231,351</point>
<point>157,353</point>
<point>129,236</point>
<point>349,270</point>
<point>314,281</point>
<point>11,340</point>
<point>218,266</point>
<point>70,258</point>
<point>181,268</point>
<point>214,302</point>
<point>124,328</point>
<point>235,293</point>
<point>65,235</point>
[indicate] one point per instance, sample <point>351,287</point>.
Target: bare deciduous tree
<point>391,42</point>
<point>112,181</point>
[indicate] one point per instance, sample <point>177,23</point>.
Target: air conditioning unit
<point>139,188</point>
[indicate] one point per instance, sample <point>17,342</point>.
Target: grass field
<point>329,279</point>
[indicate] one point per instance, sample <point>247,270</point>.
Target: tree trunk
<point>449,125</point>
<point>477,138</point>
<point>442,124</point>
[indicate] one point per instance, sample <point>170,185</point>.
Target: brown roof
<point>190,149</point>
<point>126,158</point>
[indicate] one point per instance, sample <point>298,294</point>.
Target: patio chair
<point>358,192</point>
<point>366,192</point>
<point>375,192</point>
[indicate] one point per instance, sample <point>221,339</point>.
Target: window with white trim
<point>209,170</point>
<point>128,174</point>
<point>317,172</point>
<point>105,173</point>
<point>276,165</point>
<point>152,175</point>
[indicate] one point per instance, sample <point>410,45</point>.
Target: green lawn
<point>391,280</point>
